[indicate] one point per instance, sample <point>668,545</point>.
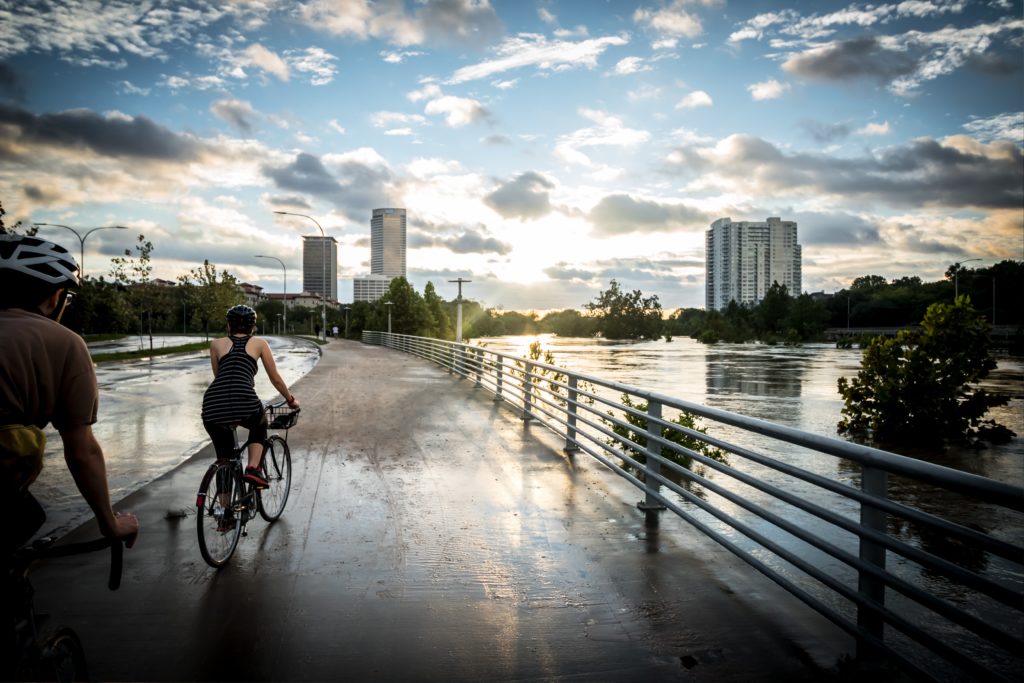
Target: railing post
<point>451,359</point>
<point>652,466</point>
<point>479,353</point>
<point>570,407</point>
<point>498,377</point>
<point>873,481</point>
<point>528,392</point>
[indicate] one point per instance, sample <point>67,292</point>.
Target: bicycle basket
<point>282,417</point>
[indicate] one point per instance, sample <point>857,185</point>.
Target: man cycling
<point>46,376</point>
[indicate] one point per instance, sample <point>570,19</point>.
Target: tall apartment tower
<point>744,259</point>
<point>387,242</point>
<point>320,266</point>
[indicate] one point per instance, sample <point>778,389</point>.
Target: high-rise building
<point>370,287</point>
<point>320,266</point>
<point>745,258</point>
<point>387,242</point>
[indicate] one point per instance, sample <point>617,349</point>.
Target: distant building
<point>253,293</point>
<point>301,299</point>
<point>744,259</point>
<point>387,254</point>
<point>320,265</point>
<point>370,287</point>
<point>387,242</point>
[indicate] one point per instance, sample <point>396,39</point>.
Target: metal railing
<point>821,517</point>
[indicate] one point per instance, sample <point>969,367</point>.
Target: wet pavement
<point>430,536</point>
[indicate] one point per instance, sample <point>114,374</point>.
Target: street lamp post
<point>389,304</point>
<point>458,311</point>
<point>346,321</point>
<point>323,268</point>
<point>81,238</point>
<point>956,276</point>
<point>285,300</point>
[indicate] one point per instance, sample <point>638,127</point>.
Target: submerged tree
<point>920,387</point>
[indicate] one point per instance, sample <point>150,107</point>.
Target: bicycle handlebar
<point>39,552</point>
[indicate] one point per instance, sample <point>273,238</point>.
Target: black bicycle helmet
<point>30,257</point>
<point>241,317</point>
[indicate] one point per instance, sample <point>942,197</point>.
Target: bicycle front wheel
<point>217,502</point>
<point>277,469</point>
<point>61,657</point>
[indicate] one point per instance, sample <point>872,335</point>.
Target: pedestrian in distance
<point>231,398</point>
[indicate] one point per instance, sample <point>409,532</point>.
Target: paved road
<point>431,536</point>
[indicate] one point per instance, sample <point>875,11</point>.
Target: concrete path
<point>430,536</point>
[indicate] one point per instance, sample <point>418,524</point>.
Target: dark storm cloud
<point>925,172</point>
<point>354,189</point>
<point>851,59</point>
<point>458,22</point>
<point>236,112</point>
<point>620,213</point>
<point>10,83</point>
<point>114,136</point>
<point>825,132</point>
<point>524,197</point>
<point>292,200</point>
<point>833,228</point>
<point>461,241</point>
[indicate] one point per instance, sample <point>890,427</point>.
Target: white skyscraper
<point>745,258</point>
<point>387,242</point>
<point>387,254</point>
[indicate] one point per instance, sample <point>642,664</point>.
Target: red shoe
<point>253,476</point>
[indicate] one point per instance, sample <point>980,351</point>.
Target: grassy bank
<point>146,353</point>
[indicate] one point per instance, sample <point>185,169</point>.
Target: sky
<point>541,148</point>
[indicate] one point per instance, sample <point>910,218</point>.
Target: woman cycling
<point>231,398</point>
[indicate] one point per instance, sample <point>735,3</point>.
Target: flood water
<point>797,387</point>
<point>149,420</point>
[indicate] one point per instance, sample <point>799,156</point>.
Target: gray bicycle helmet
<point>241,317</point>
<point>31,257</point>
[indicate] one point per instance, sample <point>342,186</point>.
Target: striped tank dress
<point>231,397</point>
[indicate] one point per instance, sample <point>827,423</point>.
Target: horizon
<point>540,149</point>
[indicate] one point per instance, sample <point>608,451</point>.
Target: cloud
<point>834,228</point>
<point>238,113</point>
<point>825,132</point>
<point>387,119</point>
<point>767,90</point>
<point>608,131</point>
<point>314,63</point>
<point>467,241</point>
<point>620,213</point>
<point>672,20</point>
<point>113,135</point>
<point>882,128</point>
<point>1009,126</point>
<point>851,59</point>
<point>336,126</point>
<point>443,22</point>
<point>524,197</point>
<point>957,172</point>
<point>528,49</point>
<point>267,61</point>
<point>399,56</point>
<point>10,83</point>
<point>630,65</point>
<point>353,181</point>
<point>697,98</point>
<point>457,111</point>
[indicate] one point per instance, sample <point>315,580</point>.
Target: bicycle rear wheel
<point>61,657</point>
<point>277,469</point>
<point>218,499</point>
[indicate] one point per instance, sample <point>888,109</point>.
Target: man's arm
<point>84,458</point>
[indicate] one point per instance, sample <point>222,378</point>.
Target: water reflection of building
<point>744,259</point>
<point>754,374</point>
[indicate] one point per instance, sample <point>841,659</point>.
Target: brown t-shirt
<point>46,373</point>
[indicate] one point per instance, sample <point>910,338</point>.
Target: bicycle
<point>224,512</point>
<point>46,653</point>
